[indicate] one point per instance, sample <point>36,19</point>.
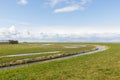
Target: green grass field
<point>103,65</point>
<point>7,49</point>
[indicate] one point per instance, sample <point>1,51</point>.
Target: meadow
<point>62,49</point>
<point>103,65</point>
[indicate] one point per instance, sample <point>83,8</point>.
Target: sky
<point>60,20</point>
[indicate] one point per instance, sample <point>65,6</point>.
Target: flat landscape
<point>104,65</point>
<point>31,52</point>
<point>59,39</point>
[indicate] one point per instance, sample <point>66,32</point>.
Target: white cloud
<point>23,2</point>
<point>63,5</point>
<point>53,3</point>
<point>68,5</point>
<point>12,29</point>
<point>63,34</point>
<point>68,9</point>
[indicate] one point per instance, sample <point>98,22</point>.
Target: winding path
<point>99,49</point>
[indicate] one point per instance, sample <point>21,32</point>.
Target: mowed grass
<point>7,49</point>
<point>103,65</point>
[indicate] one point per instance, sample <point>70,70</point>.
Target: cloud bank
<point>28,35</point>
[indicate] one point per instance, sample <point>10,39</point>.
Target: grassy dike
<point>103,65</point>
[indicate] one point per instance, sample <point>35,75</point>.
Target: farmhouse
<point>8,42</point>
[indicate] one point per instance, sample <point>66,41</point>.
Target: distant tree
<point>13,42</point>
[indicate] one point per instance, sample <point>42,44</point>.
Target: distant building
<point>9,42</point>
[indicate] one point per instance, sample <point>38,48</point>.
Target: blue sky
<point>63,17</point>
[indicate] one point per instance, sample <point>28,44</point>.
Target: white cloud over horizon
<point>42,35</point>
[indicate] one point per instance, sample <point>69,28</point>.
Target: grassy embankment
<point>38,47</point>
<point>103,65</point>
